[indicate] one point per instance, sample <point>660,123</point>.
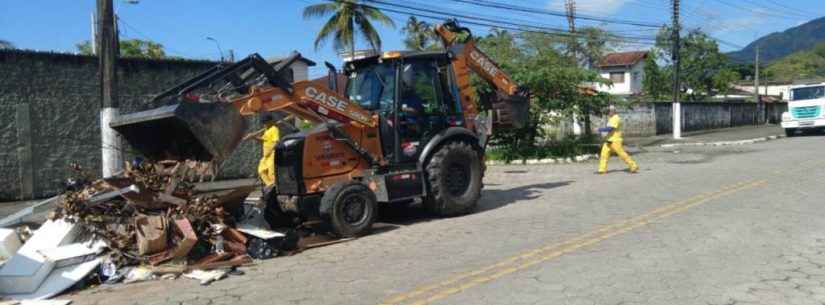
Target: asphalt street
<point>698,225</point>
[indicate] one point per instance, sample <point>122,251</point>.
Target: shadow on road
<point>494,199</point>
<point>399,215</point>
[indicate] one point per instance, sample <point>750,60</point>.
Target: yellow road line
<point>455,284</point>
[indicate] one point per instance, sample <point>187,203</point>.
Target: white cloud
<point>713,21</point>
<point>591,7</point>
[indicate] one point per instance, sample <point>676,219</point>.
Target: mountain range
<point>780,44</point>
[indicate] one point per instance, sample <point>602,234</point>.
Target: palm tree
<point>419,34</point>
<point>5,44</point>
<point>347,18</point>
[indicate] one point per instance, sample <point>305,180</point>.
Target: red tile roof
<point>622,59</point>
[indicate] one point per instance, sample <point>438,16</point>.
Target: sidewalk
<point>709,136</point>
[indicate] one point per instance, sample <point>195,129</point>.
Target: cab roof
<point>398,55</point>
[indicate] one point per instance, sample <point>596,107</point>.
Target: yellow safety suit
<point>266,167</point>
<point>613,143</point>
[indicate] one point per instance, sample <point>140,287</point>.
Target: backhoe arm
<point>476,60</point>
<point>510,105</point>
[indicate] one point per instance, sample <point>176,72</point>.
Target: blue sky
<point>276,27</point>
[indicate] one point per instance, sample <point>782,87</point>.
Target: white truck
<point>806,109</point>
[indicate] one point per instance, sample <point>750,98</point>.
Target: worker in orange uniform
<point>613,142</point>
<point>268,136</point>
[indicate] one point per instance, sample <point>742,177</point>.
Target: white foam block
<point>9,243</point>
<point>59,280</point>
<point>24,272</point>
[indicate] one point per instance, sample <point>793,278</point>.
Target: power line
<point>492,4</point>
<point>144,36</point>
<point>754,11</point>
<point>483,21</point>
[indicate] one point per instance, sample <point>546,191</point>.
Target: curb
<point>587,157</point>
<point>570,160</point>
<point>724,143</point>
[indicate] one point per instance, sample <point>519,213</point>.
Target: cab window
<point>372,87</point>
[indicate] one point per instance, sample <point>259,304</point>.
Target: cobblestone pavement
<point>703,225</point>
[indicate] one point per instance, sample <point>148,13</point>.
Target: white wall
<point>616,88</point>
<point>300,70</point>
<point>775,90</point>
<point>633,79</point>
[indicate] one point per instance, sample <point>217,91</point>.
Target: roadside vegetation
<point>808,64</point>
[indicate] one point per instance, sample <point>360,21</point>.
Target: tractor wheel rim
<point>355,209</point>
<point>458,178</point>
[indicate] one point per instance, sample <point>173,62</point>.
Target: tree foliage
<point>594,43</point>
<point>657,81</point>
<point>419,35</point>
<point>704,70</point>
<point>800,65</point>
<point>538,62</point>
<point>131,48</point>
<point>347,18</point>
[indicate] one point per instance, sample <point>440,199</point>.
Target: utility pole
<point>570,10</point>
<point>756,77</point>
<point>107,53</point>
<point>677,107</point>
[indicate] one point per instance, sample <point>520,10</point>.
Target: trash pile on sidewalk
<point>146,223</point>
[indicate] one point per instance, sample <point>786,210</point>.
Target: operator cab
<point>413,91</point>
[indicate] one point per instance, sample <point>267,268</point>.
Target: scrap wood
<point>234,235</point>
<point>234,247</point>
<point>236,261</point>
<point>183,247</point>
<point>152,234</point>
<point>213,258</point>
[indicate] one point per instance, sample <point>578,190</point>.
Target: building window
<point>617,77</point>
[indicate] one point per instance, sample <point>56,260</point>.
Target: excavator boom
<point>204,118</point>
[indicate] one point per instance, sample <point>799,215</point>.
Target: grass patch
<point>566,148</point>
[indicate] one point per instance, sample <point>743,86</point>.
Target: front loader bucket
<point>187,130</point>
<point>510,112</point>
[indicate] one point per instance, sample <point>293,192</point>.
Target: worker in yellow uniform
<point>613,142</point>
<point>268,136</point>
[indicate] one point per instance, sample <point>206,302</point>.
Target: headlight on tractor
<point>786,116</point>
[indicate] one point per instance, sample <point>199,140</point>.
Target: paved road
<point>706,225</point>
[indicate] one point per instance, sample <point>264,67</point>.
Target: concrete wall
<point>53,101</point>
<point>647,119</point>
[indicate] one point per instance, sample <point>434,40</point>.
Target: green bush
<point>565,148</point>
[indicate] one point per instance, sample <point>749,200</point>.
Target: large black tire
<point>454,179</point>
<point>352,208</point>
<point>790,132</point>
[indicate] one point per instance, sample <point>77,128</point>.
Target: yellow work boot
<point>634,169</point>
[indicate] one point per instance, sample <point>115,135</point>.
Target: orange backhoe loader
<point>408,130</point>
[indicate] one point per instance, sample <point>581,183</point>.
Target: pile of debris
<point>147,222</point>
<point>150,215</point>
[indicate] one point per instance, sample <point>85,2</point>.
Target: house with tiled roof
<point>625,70</point>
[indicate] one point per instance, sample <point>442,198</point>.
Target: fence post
<point>24,151</point>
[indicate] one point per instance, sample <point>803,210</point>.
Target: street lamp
<point>218,45</point>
